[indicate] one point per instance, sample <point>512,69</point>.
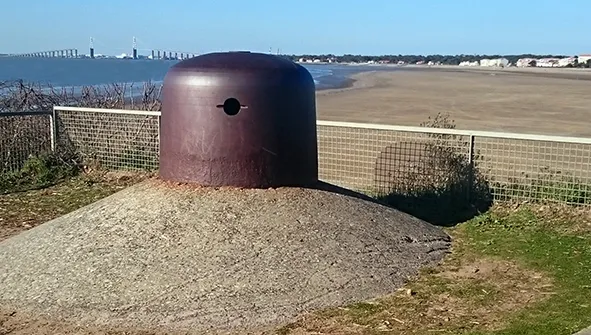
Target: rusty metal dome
<point>239,119</point>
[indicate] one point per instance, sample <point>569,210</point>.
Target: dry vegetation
<point>129,144</point>
<point>16,96</point>
<point>458,297</point>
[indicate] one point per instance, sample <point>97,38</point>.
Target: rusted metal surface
<point>239,119</point>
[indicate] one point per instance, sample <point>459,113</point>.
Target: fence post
<point>470,167</point>
<point>159,119</point>
<point>53,128</point>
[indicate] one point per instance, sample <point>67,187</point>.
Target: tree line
<point>413,59</point>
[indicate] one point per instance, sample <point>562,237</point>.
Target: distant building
<point>564,62</point>
<point>467,63</point>
<point>499,62</point>
<point>123,56</point>
<point>548,62</point>
<point>584,58</point>
<point>526,62</point>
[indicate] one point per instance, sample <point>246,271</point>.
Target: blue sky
<point>304,26</point>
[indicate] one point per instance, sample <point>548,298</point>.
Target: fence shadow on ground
<point>324,186</point>
<point>433,180</point>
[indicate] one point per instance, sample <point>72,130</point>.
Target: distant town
<point>524,60</point>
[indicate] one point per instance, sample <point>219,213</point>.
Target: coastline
<point>359,80</point>
<point>556,72</point>
<point>546,101</point>
<point>366,77</point>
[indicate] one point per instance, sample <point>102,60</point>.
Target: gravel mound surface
<point>178,257</point>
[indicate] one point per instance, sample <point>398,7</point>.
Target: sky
<point>299,27</point>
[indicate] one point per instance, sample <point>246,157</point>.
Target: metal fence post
<point>470,167</point>
<point>53,129</point>
<point>159,119</point>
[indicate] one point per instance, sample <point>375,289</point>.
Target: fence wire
<point>433,163</point>
<point>532,170</point>
<point>112,141</point>
<point>382,161</point>
<point>23,135</point>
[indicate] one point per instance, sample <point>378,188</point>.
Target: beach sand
<point>537,101</point>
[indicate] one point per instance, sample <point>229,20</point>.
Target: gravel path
<point>175,257</point>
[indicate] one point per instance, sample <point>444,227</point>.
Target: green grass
<point>566,258</point>
<point>38,172</point>
<point>524,271</point>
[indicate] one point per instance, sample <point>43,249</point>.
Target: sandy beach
<point>532,100</point>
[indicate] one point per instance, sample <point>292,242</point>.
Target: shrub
<point>38,172</point>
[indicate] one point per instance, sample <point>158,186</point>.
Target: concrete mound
<point>176,257</point>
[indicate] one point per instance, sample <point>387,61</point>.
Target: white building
<point>584,58</point>
<point>123,56</point>
<point>526,62</point>
<point>499,62</point>
<point>547,62</point>
<point>468,63</point>
<point>564,62</point>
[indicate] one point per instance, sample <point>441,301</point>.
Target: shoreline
<point>367,79</point>
<point>557,73</point>
<point>548,102</point>
<point>356,81</point>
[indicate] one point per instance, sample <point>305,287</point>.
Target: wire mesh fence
<point>404,162</point>
<point>110,139</point>
<point>445,166</point>
<point>22,135</point>
<point>525,169</point>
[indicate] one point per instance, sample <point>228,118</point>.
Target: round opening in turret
<point>231,106</point>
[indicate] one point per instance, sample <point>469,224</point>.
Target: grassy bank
<point>511,271</point>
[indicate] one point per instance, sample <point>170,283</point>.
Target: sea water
<point>76,72</point>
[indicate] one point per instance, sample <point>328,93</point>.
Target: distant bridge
<point>62,53</point>
<point>167,54</point>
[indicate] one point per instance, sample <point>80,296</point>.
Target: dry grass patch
<point>20,211</point>
<point>466,294</point>
<point>518,269</point>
